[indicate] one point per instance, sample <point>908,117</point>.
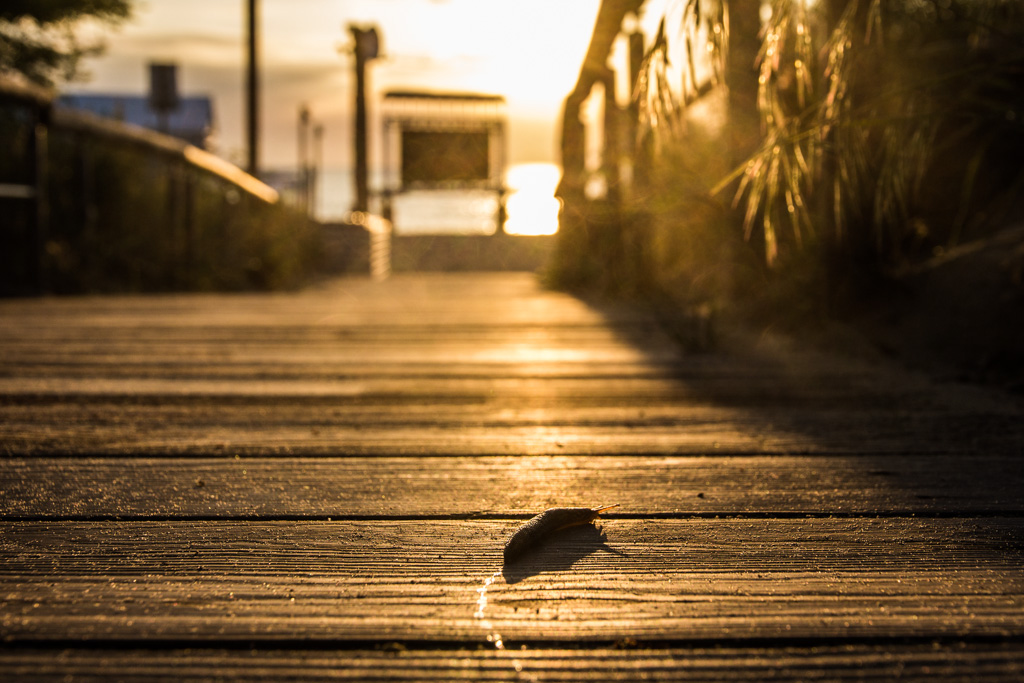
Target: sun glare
<point>531,206</point>
<point>530,51</point>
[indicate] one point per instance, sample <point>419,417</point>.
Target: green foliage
<point>37,37</point>
<point>54,11</point>
<point>890,130</point>
<point>866,136</point>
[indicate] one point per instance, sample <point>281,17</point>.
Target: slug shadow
<point>559,552</point>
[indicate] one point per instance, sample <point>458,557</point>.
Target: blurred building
<point>162,109</point>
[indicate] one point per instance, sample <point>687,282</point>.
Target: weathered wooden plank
<point>737,391</point>
<point>461,359</point>
<point>270,351</point>
<point>455,441</point>
<point>345,418</point>
<point>965,661</point>
<point>507,346</point>
<point>585,407</point>
<point>415,299</point>
<point>660,580</point>
<point>145,439</point>
<point>509,325</point>
<point>140,439</point>
<point>267,334</point>
<point>426,366</point>
<point>527,378</point>
<point>430,366</point>
<point>285,487</point>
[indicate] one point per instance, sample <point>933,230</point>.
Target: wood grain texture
<point>284,488</point>
<point>960,661</point>
<point>493,417</point>
<point>420,581</point>
<point>319,484</point>
<point>422,366</point>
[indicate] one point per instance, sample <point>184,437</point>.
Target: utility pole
<point>304,179</point>
<point>252,88</point>
<point>318,164</point>
<point>366,49</point>
<point>163,93</point>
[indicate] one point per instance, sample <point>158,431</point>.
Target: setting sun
<point>531,204</point>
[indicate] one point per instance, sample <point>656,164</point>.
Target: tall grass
<point>686,58</point>
<point>890,129</point>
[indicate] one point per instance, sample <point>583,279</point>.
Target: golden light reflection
<point>531,206</point>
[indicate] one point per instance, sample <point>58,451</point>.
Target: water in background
<point>531,204</point>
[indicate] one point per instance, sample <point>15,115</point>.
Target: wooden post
<point>636,60</point>
<point>610,155</point>
<point>39,156</point>
<point>497,134</point>
<point>362,171</point>
<point>637,150</point>
<point>304,189</point>
<point>609,19</point>
<point>572,147</point>
<point>317,165</point>
<point>191,257</point>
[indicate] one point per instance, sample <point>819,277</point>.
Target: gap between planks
<point>867,662</point>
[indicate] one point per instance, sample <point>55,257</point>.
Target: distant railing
<point>89,204</point>
<point>598,142</point>
<point>648,66</point>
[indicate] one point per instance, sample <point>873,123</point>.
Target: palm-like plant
<point>893,126</point>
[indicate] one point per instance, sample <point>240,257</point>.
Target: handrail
<point>593,70</point>
<point>101,204</point>
<point>86,122</point>
<point>213,164</point>
<point>13,89</point>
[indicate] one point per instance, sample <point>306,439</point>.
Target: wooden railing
<point>673,60</point>
<point>24,111</point>
<point>94,204</point>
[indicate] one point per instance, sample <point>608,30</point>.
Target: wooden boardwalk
<point>319,485</point>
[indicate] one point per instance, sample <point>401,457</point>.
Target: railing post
<point>190,226</point>
<point>612,143</point>
<point>636,149</point>
<point>572,148</point>
<point>39,158</point>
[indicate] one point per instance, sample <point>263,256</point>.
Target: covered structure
<point>445,146</point>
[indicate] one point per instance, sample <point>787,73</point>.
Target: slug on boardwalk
<point>546,523</point>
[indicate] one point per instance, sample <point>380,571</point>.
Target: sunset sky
<point>530,51</point>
